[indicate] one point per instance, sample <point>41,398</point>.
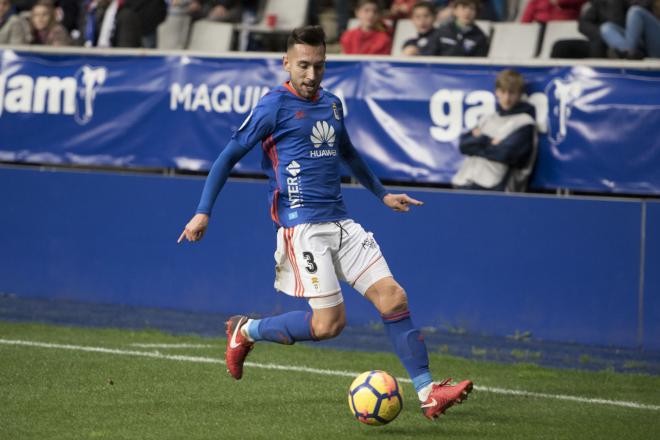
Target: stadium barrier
<point>563,268</point>
<point>599,121</point>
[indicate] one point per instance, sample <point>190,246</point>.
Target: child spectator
<point>44,27</point>
<point>423,16</point>
<point>501,150</point>
<point>12,30</point>
<point>372,36</point>
<point>461,37</point>
<point>543,11</point>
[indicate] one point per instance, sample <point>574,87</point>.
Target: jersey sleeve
<point>259,123</point>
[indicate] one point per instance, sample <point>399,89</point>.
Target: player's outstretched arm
<point>195,229</point>
<point>400,202</point>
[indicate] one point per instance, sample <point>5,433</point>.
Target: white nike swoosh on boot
<point>232,342</point>
<point>429,405</point>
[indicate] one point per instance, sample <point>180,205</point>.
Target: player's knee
<point>329,329</point>
<point>393,300</point>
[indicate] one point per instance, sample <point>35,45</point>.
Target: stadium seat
<point>290,14</point>
<point>559,30</point>
<point>514,40</point>
<point>173,32</point>
<point>405,30</point>
<point>211,36</point>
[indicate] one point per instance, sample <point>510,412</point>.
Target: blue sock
<point>287,328</point>
<point>409,345</point>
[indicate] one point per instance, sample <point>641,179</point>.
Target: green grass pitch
<point>149,393</point>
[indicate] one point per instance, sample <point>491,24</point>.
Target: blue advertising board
<point>599,127</point>
<point>564,269</point>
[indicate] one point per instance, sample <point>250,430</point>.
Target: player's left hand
<point>400,202</point>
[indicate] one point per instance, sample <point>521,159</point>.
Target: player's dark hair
<point>309,35</point>
<point>426,5</point>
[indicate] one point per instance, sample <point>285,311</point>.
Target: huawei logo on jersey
<point>323,133</point>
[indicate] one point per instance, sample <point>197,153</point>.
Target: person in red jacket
<point>542,11</point>
<point>372,36</point>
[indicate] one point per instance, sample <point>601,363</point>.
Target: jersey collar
<point>290,88</point>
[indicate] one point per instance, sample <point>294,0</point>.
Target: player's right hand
<point>194,230</point>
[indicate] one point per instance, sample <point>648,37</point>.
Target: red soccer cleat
<point>443,396</point>
<point>238,346</point>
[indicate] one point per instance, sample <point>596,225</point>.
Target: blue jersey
<point>303,142</point>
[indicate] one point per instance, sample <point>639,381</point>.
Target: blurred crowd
<point>613,28</point>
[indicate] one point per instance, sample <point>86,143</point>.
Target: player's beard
<point>308,89</point>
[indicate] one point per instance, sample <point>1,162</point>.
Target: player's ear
<point>285,63</point>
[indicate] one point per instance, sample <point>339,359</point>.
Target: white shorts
<point>312,258</point>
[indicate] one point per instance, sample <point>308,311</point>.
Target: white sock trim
<point>423,394</point>
<point>244,328</point>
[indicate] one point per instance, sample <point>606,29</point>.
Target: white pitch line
<point>160,345</point>
<point>341,373</point>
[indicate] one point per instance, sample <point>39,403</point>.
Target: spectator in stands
<point>423,16</point>
<point>543,11</point>
<point>462,37</point>
<point>66,11</point>
<point>44,28</point>
<point>501,151</point>
<point>12,29</point>
<point>372,36</point>
<point>444,12</point>
<point>217,10</point>
<point>592,16</point>
<point>122,23</point>
<point>641,35</point>
<point>401,9</point>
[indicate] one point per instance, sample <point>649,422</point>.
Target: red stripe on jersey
<point>270,149</point>
<point>273,207</point>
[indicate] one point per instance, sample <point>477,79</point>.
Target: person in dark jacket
<point>593,15</point>
<point>422,16</point>
<point>461,37</point>
<point>121,23</point>
<point>501,151</point>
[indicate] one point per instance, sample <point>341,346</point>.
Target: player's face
<point>507,99</point>
<point>465,14</point>
<point>422,19</point>
<point>306,65</point>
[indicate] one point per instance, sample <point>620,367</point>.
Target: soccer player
<point>301,129</point>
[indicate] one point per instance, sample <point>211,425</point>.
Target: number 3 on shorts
<point>311,265</point>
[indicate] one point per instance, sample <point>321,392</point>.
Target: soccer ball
<point>375,398</point>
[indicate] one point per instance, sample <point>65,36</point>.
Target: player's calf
<point>327,329</point>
